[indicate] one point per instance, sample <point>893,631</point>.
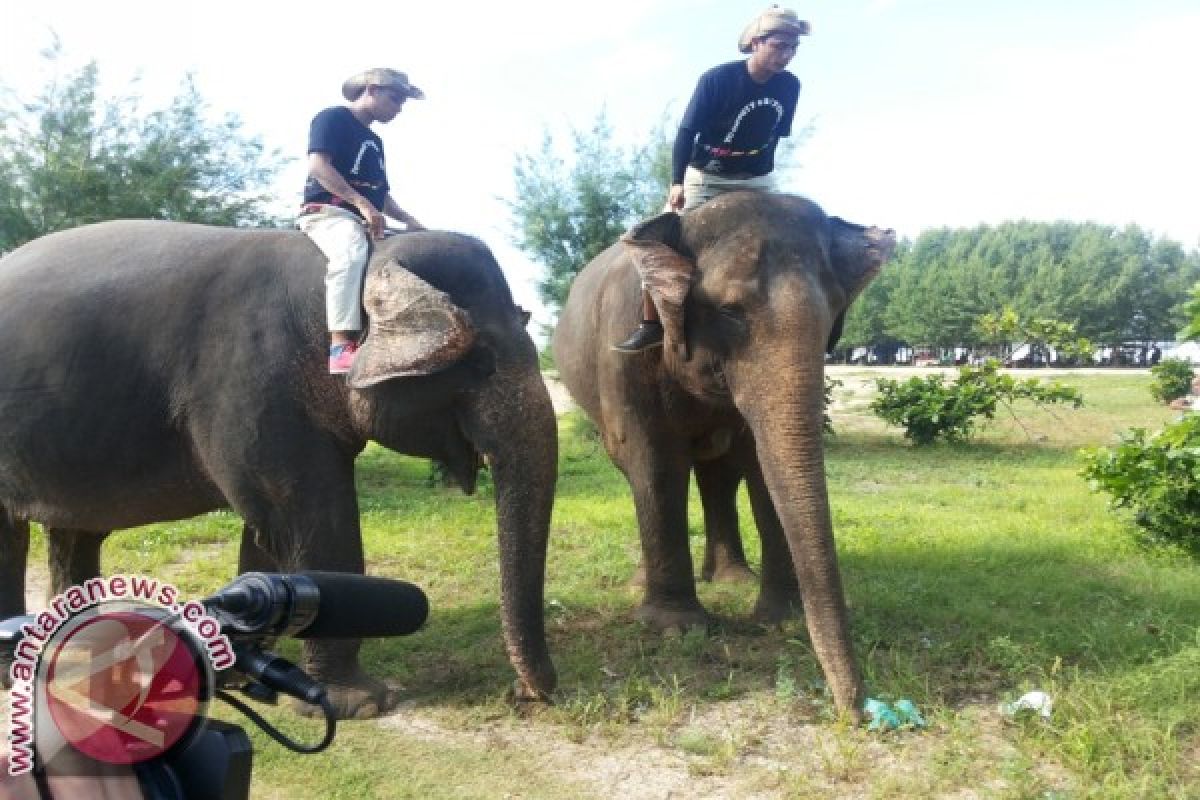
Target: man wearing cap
<point>727,137</point>
<point>347,196</point>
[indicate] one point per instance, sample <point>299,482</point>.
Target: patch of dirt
<point>37,584</point>
<point>747,750</point>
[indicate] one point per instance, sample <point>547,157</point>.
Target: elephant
<point>157,370</point>
<point>751,288</point>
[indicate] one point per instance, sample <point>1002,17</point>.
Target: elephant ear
<point>858,253</point>
<point>414,329</point>
<point>665,272</point>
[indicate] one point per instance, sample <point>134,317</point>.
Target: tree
<point>1007,326</point>
<point>69,157</point>
<point>1192,312</point>
<point>568,215</point>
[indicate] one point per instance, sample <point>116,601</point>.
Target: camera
<point>214,761</point>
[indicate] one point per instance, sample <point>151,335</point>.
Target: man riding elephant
<point>750,286</point>
<point>347,189</point>
<point>738,113</point>
<point>154,371</point>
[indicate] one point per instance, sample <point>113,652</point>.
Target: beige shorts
<point>700,187</point>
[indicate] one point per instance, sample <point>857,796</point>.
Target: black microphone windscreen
<point>361,606</point>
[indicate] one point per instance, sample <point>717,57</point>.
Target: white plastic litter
<point>1036,701</point>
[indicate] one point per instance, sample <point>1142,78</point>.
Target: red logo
<point>123,686</point>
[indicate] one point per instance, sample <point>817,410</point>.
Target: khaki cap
<point>354,86</point>
<point>773,20</point>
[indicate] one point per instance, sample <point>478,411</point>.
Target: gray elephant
<point>750,288</point>
<point>154,371</point>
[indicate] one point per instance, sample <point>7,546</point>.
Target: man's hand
<point>373,219</point>
<point>675,198</point>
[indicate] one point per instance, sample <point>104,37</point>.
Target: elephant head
<point>442,323</point>
<point>751,289</point>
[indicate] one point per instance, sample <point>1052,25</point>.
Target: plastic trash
<point>907,711</point>
<point>886,717</point>
<point>1037,701</point>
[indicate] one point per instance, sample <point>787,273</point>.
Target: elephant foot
<point>522,694</point>
<point>731,573</point>
<point>673,619</point>
<point>534,683</point>
<point>359,697</point>
<point>774,609</point>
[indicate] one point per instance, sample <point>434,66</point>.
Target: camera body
<point>215,765</point>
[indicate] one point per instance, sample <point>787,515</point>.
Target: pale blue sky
<point>926,113</point>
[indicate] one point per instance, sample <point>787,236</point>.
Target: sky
<point>923,113</point>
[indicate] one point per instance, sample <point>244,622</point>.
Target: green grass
<point>974,573</point>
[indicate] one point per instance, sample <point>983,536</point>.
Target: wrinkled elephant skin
<point>154,371</point>
<point>751,289</point>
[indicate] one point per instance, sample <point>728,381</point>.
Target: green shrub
<point>826,420</point>
<point>929,409</point>
<point>1157,477</point>
<point>1172,379</point>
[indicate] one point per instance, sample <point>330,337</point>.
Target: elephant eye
<point>732,311</point>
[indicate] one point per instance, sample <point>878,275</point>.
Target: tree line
<point>1113,285</point>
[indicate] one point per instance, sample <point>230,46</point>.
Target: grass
<point>974,573</point>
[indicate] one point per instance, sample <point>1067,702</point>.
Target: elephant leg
<point>779,591</point>
<point>724,558</point>
<point>14,554</point>
<point>317,528</point>
<point>658,476</point>
<point>73,557</point>
<point>253,557</point>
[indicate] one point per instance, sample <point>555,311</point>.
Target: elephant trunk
<point>511,421</point>
<point>787,426</point>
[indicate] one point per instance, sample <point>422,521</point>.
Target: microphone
<point>318,605</point>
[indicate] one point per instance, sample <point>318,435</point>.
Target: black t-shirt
<point>732,124</point>
<point>357,154</point>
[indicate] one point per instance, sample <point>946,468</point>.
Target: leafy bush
<point>1172,379</point>
<point>826,420</point>
<point>928,409</point>
<point>1158,477</point>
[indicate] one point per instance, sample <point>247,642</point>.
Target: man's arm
<point>396,212</point>
<point>320,166</point>
<point>681,152</point>
<point>698,112</point>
